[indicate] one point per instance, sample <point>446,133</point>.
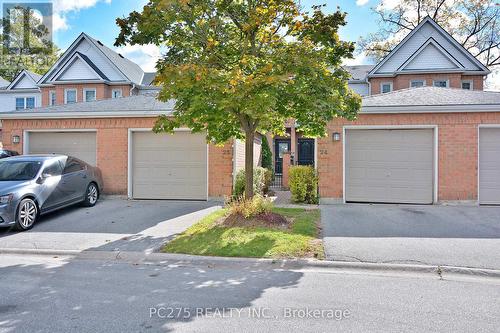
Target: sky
<point>97,18</point>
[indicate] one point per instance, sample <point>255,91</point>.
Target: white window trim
<point>382,85</point>
<point>85,93</point>
<point>467,81</point>
<point>66,94</point>
<point>447,82</point>
<point>25,101</point>
<point>411,81</point>
<point>52,92</point>
<point>113,93</point>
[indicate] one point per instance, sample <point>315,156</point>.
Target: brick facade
<point>457,149</point>
<point>402,81</point>
<point>103,91</point>
<point>112,149</point>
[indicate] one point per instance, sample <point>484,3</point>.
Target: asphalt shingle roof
<point>148,78</point>
<point>359,72</point>
<point>145,103</point>
<point>432,96</point>
<point>129,68</point>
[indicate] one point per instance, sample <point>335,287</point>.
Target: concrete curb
<point>284,264</point>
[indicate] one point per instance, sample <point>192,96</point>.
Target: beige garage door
<point>81,145</point>
<point>489,166</point>
<point>168,166</point>
<point>389,166</point>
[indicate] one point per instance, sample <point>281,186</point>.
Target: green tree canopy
<point>28,45</point>
<point>235,67</point>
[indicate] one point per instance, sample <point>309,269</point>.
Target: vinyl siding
<point>419,38</point>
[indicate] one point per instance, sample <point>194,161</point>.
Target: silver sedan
<point>31,185</point>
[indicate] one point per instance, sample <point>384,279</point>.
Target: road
<point>65,294</point>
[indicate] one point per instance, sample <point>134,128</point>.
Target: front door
<point>305,152</point>
<point>281,146</point>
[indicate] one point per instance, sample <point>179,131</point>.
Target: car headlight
<point>4,199</point>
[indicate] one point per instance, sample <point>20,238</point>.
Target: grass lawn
<point>210,239</point>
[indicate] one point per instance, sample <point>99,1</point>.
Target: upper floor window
<point>52,97</point>
<point>385,87</point>
<point>467,84</point>
<point>440,83</point>
<point>89,95</point>
<point>25,103</point>
<point>70,96</point>
<point>417,83</point>
<point>116,93</point>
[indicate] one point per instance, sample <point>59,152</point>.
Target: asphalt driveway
<point>437,235</point>
<point>113,224</point>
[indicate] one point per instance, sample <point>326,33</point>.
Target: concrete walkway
<point>429,235</point>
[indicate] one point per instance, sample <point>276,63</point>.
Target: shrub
<point>267,156</point>
<point>250,207</point>
<point>303,184</point>
<point>261,182</point>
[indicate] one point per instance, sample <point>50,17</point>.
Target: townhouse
<point>426,133</point>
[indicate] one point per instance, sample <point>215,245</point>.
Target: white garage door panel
<point>392,166</point>
<point>169,166</point>
<point>489,165</point>
<point>81,145</point>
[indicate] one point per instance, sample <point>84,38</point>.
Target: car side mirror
<point>42,178</point>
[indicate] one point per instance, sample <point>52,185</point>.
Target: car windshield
<point>19,170</point>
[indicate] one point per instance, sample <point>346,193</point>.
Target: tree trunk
<point>249,137</point>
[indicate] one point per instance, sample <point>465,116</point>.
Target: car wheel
<point>91,195</point>
<point>27,214</point>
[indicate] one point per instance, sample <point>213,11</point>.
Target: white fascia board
<point>85,114</point>
<point>431,108</point>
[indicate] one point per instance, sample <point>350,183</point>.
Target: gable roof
<point>31,76</point>
<point>76,56</point>
<point>123,67</point>
<point>436,53</point>
<point>464,54</point>
<point>129,68</point>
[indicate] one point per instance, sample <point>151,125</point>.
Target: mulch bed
<point>268,220</point>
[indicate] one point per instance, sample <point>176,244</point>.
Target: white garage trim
<point>389,127</point>
<point>55,130</point>
<point>478,157</point>
<point>130,157</point>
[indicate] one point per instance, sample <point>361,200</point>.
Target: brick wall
<point>112,149</point>
<point>457,179</point>
<point>103,91</point>
<point>403,81</point>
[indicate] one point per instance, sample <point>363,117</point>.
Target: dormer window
<point>70,96</point>
<point>467,84</point>
<point>417,83</point>
<point>440,83</point>
<point>385,87</point>
<point>116,93</point>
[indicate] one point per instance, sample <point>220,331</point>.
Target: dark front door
<point>305,152</point>
<point>281,146</point>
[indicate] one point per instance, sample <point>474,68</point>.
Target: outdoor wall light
<point>16,139</point>
<point>336,136</point>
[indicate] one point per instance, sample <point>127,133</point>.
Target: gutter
<point>83,114</point>
<point>457,108</point>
